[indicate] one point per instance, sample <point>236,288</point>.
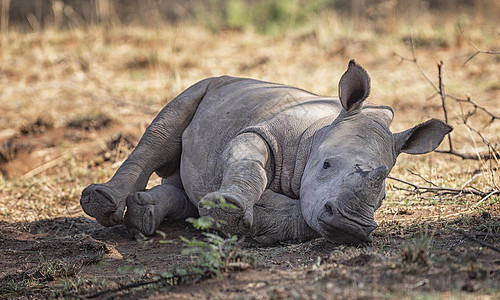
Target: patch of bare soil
<point>44,258</point>
<point>76,256</point>
<point>37,144</point>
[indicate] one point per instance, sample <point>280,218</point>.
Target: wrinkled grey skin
<point>296,165</point>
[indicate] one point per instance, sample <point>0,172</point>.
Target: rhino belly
<point>224,112</point>
<point>200,167</point>
<point>214,125</point>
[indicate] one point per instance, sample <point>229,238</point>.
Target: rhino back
<point>280,114</point>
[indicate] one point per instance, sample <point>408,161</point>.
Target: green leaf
<point>163,234</point>
<point>213,238</point>
<point>202,223</point>
<point>183,239</point>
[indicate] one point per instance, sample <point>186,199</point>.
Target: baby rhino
<point>294,164</point>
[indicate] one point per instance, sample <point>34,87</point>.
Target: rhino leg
<point>146,210</point>
<point>158,149</point>
<point>244,180</point>
<point>279,218</point>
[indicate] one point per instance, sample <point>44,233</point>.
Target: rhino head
<point>344,177</point>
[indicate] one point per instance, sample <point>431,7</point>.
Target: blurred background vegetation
<point>265,16</point>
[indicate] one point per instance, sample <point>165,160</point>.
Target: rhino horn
<point>378,175</point>
<point>371,183</point>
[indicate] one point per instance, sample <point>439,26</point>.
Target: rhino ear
<point>423,138</point>
<point>354,87</point>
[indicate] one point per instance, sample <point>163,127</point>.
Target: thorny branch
<point>478,51</point>
<point>444,190</point>
<point>475,108</point>
<point>162,280</point>
<point>437,190</point>
<point>422,177</point>
<point>473,238</point>
<point>443,98</point>
<point>414,60</point>
<point>439,90</point>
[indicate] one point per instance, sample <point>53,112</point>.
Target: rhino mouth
<point>345,234</point>
<point>364,222</point>
<point>340,228</point>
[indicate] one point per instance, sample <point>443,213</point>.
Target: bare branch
<point>486,197</point>
<point>473,238</point>
<point>476,107</point>
<point>478,156</point>
<point>131,286</point>
<point>472,179</point>
<point>486,142</point>
<point>478,51</point>
<point>421,177</point>
<point>441,190</point>
<point>439,90</point>
<point>415,61</point>
<point>443,99</point>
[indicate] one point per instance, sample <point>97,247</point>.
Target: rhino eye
<point>326,165</point>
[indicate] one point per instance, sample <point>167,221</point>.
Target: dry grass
<point>129,73</point>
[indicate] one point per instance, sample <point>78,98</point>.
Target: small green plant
<point>209,256</point>
<point>212,254</point>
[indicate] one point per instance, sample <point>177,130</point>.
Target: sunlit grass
<point>129,73</point>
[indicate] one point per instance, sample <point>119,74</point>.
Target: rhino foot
<point>100,202</point>
<point>144,214</point>
<point>234,220</point>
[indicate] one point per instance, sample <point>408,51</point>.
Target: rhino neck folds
<point>289,152</point>
<point>302,231</point>
<point>279,218</point>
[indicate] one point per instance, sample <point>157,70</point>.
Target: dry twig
<point>439,90</point>
<point>478,51</point>
<point>473,238</point>
<point>442,190</point>
<point>448,191</point>
<point>421,177</point>
<point>233,252</point>
<point>177,278</point>
<point>47,166</point>
<point>494,192</point>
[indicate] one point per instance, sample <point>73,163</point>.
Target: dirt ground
<point>76,257</point>
<point>74,104</point>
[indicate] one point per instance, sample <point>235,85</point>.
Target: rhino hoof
<point>141,215</point>
<point>100,202</point>
<point>231,220</point>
